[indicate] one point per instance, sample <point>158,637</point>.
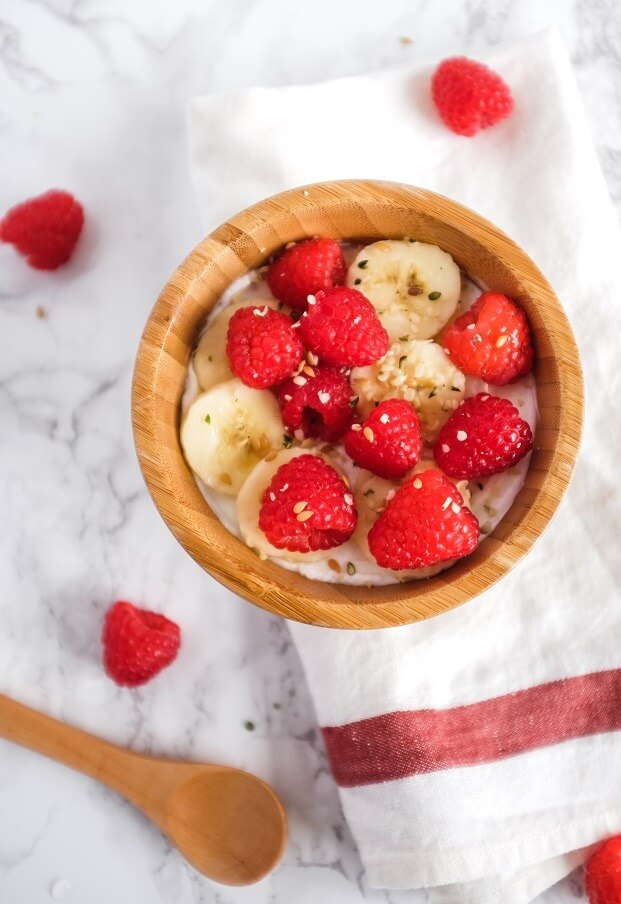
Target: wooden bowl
<point>368,210</point>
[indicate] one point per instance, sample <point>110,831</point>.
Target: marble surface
<point>92,99</point>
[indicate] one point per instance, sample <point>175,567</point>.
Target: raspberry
<point>424,523</point>
<point>307,506</point>
<point>470,96</point>
<point>44,229</point>
<point>603,873</point>
<point>389,442</point>
<point>342,327</point>
<point>304,269</point>
<point>317,402</point>
<point>486,435</point>
<point>137,644</point>
<point>491,340</point>
<point>262,346</point>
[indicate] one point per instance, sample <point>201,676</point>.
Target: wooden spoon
<point>229,824</point>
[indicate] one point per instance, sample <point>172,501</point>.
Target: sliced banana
<point>249,506</point>
<point>372,494</point>
<point>418,371</point>
<point>227,431</point>
<point>413,286</point>
<point>211,364</point>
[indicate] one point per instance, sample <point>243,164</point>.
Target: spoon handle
<point>70,746</point>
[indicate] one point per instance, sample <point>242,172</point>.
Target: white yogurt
<point>491,497</point>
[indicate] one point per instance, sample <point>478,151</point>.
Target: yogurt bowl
<point>351,211</point>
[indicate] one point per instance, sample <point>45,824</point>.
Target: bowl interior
<point>352,210</point>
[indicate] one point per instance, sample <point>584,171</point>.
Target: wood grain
<point>229,824</point>
<point>354,210</point>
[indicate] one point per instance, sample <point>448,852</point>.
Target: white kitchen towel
<point>480,751</point>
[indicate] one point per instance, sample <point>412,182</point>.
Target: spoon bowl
<point>228,824</point>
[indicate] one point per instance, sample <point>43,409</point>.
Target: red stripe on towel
<point>396,745</point>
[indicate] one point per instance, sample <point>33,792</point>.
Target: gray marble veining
<point>92,97</point>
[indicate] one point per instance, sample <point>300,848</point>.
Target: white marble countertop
<point>93,96</point>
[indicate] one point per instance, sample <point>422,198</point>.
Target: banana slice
<point>249,506</point>
<point>413,286</point>
<point>227,431</point>
<point>372,494</point>
<point>211,364</point>
<point>418,371</point>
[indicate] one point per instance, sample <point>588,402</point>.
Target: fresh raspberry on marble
<point>262,346</point>
<point>304,269</point>
<point>342,328</point>
<point>307,506</point>
<point>137,644</point>
<point>491,340</point>
<point>603,873</point>
<point>388,442</point>
<point>470,96</point>
<point>424,523</point>
<point>44,229</point>
<point>484,436</point>
<point>318,402</point>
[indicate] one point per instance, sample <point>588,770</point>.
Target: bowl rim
<point>265,584</point>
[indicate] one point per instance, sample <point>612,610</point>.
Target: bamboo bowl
<point>369,210</point>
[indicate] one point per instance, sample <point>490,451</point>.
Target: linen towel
<point>478,753</point>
